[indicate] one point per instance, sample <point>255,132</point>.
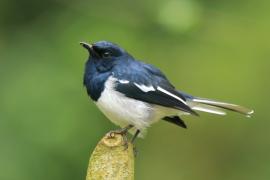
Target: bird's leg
<point>123,132</point>
<point>135,136</point>
<point>133,140</point>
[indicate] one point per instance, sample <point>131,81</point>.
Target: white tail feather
<point>208,109</point>
<point>213,106</point>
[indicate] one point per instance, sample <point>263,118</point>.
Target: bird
<point>134,95</point>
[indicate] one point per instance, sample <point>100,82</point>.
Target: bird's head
<point>105,54</point>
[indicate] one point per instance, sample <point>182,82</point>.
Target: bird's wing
<point>152,87</point>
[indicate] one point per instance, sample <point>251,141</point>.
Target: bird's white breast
<point>122,110</point>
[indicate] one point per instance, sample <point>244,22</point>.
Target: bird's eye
<point>107,54</point>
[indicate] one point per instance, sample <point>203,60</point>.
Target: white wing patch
<point>122,81</point>
<point>145,88</point>
<point>170,94</point>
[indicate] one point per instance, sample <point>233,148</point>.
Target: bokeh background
<point>214,49</point>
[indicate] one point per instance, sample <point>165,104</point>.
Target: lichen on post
<point>112,159</point>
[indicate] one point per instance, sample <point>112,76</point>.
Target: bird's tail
<point>217,107</point>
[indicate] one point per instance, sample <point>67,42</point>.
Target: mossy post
<point>112,159</point>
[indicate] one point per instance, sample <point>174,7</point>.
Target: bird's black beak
<point>86,45</point>
<point>89,48</point>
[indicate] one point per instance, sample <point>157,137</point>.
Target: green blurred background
<point>215,49</point>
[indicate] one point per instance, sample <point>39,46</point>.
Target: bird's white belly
<point>122,110</point>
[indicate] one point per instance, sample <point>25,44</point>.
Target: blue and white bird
<point>134,95</point>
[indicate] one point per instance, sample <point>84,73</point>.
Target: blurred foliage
<point>215,49</point>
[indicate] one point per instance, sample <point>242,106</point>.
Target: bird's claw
<point>123,133</point>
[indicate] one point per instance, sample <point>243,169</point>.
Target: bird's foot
<point>112,134</point>
<point>118,131</point>
<point>123,132</point>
